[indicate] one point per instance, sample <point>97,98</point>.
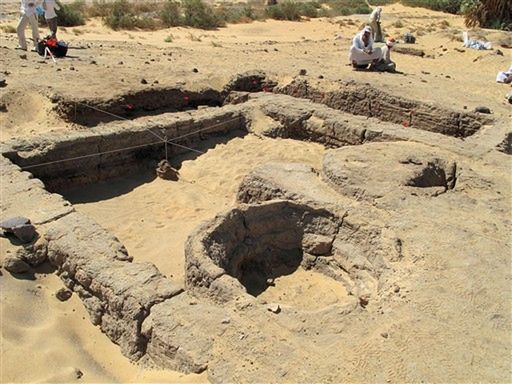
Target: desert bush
<point>171,14</point>
<point>122,16</point>
<point>99,8</point>
<point>287,10</point>
<point>238,13</point>
<point>71,15</point>
<point>448,6</point>
<point>309,9</point>
<point>200,15</point>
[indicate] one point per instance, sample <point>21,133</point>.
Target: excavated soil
<point>323,227</point>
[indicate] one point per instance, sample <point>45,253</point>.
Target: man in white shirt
<point>362,52</point>
<point>49,7</point>
<point>28,16</point>
<point>385,64</point>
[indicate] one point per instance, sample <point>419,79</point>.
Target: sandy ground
<point>44,340</point>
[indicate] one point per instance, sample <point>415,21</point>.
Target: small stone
<point>227,320</point>
<point>363,301</point>
<point>15,265</point>
<point>120,63</point>
<point>146,62</point>
<point>23,56</point>
<point>155,82</point>
<point>321,76</point>
<point>3,82</point>
<point>482,109</point>
<point>63,294</point>
<point>384,335</point>
<point>270,282</point>
<point>195,70</point>
<point>274,308</point>
<point>499,52</point>
<point>8,224</point>
<point>465,107</point>
<point>396,289</point>
<point>303,72</point>
<point>166,171</point>
<point>93,62</point>
<point>78,373</point>
<point>143,81</point>
<point>448,76</point>
<point>25,233</point>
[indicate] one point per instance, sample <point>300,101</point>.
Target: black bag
<point>57,48</point>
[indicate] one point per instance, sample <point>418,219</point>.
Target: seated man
<point>385,64</point>
<point>361,52</point>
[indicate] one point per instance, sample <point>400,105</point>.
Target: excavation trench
<point>238,253</point>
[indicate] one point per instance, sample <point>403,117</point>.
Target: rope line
<point>119,117</point>
<point>163,140</point>
<point>90,155</point>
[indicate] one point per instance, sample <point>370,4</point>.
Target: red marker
<point>405,124</point>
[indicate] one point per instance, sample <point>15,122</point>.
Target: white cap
<point>367,29</point>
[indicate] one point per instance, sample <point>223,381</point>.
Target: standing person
<point>361,52</point>
<point>49,7</point>
<point>374,21</point>
<point>385,64</point>
<point>28,16</point>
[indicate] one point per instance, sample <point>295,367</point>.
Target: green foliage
<point>71,15</point>
<point>449,6</point>
<point>238,13</point>
<point>495,14</point>
<point>171,14</point>
<point>122,16</point>
<point>99,8</point>
<point>292,10</point>
<point>200,15</point>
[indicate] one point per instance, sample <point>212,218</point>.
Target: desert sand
<point>45,340</point>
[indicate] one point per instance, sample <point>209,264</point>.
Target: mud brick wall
<point>125,146</point>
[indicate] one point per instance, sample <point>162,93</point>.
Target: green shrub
<point>347,7</point>
<point>287,10</point>
<point>449,6</point>
<point>309,10</point>
<point>171,14</point>
<point>200,15</point>
<point>71,15</point>
<point>99,8</point>
<point>122,16</point>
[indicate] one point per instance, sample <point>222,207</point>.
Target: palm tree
<point>488,13</point>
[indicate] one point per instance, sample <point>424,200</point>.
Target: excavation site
<point>242,203</point>
<point>254,232</point>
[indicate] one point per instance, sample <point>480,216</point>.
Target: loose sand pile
<point>45,340</point>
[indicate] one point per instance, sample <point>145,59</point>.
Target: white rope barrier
<point>163,140</point>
